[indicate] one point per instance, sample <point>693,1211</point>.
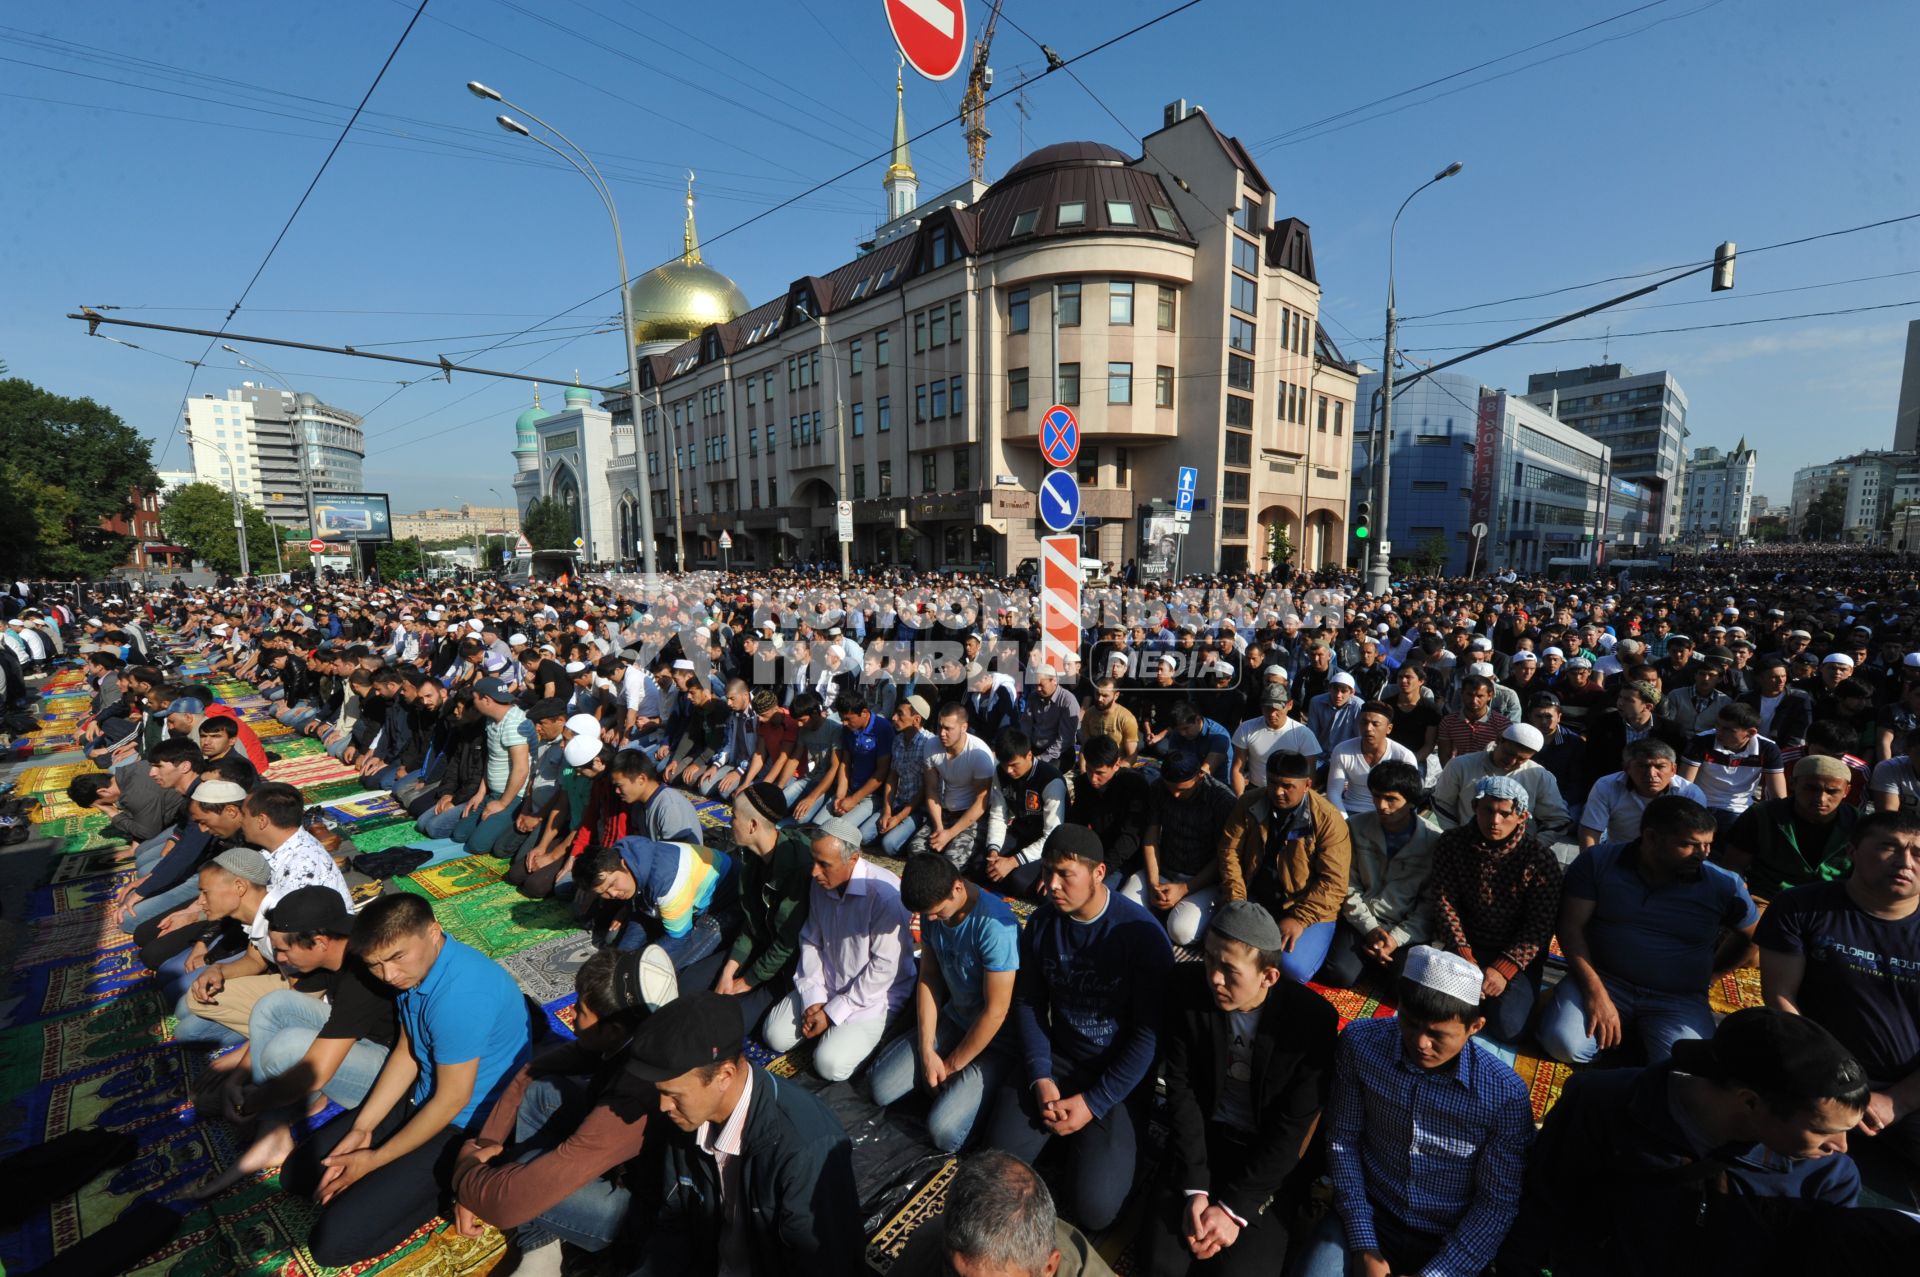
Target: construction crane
<point>973,103</point>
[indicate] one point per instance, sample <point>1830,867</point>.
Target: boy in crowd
<point>1088,1004</point>
<point>964,990</point>
<point>1427,1135</point>
<point>1389,903</point>
<point>1249,1057</point>
<point>377,1171</point>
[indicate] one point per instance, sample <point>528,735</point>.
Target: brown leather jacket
<point>1312,869</point>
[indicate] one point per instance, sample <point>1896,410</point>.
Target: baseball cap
<point>187,705</point>
<point>686,1034</point>
<point>311,909</point>
<point>1276,695</point>
<point>494,690</point>
<point>1525,658</point>
<point>1774,1051</point>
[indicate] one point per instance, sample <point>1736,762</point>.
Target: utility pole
<point>839,450</point>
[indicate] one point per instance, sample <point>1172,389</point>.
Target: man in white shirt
<point>1258,739</point>
<point>1616,802</point>
<point>1351,760</point>
<point>957,782</point>
<point>1511,755</point>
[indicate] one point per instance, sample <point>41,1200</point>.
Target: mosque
<point>1161,298</point>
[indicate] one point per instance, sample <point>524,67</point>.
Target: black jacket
<point>1292,1069</point>
<point>1607,737</point>
<point>1118,813</point>
<point>1791,717</point>
<point>796,1185</point>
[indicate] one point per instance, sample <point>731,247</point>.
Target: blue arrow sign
<point>1059,501</point>
<point>1183,491</point>
<point>1059,436</point>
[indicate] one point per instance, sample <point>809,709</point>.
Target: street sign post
<point>846,522</point>
<point>316,546</point>
<point>726,548</point>
<point>1183,490</point>
<point>1059,501</point>
<point>1059,600</point>
<point>523,548</point>
<point>1060,436</point>
<point>1479,531</point>
<point>579,543</point>
<point>932,34</point>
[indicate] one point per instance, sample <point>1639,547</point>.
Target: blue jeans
<point>1309,952</point>
<point>147,855</point>
<point>341,745</point>
<point>439,824</point>
<point>1658,1019</point>
<point>591,1216</point>
<point>1325,1254</point>
<point>284,1025</point>
<point>166,902</point>
<point>956,1105</point>
<point>867,817</point>
<point>487,835</point>
<point>709,931</point>
<point>298,718</point>
<point>386,778</point>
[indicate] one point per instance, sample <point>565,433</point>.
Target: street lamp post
<point>1380,568</point>
<point>239,515</point>
<point>300,453</point>
<point>584,165</point>
<point>502,500</point>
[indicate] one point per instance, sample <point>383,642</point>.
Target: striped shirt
<point>1461,735</point>
<point>1440,1151</point>
<point>910,751</point>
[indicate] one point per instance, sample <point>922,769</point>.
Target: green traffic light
<point>1361,533</point>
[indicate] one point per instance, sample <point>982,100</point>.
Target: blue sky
<point>153,152</point>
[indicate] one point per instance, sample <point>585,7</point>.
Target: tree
<point>1429,558</point>
<point>548,525</point>
<point>199,517</point>
<point>1826,514</point>
<point>69,465</point>
<point>1279,545</point>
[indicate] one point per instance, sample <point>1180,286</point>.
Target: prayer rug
<point>928,1203</point>
<point>1737,990</point>
<point>546,971</point>
<point>75,935</point>
<point>138,1020</point>
<point>312,769</point>
<point>438,882</point>
<point>496,919</point>
<point>298,747</point>
<point>55,989</point>
<point>86,864</point>
<point>368,805</point>
<point>50,780</point>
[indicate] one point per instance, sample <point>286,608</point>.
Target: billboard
<point>1485,443</point>
<point>352,516</point>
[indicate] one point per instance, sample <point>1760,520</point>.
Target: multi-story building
<point>467,521</point>
<point>1642,417</point>
<point>150,551</point>
<point>250,439</point>
<point>1466,455</point>
<point>1163,299</point>
<point>1877,485</point>
<point>1719,493</point>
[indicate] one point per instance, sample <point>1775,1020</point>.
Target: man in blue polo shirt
<point>1646,926</point>
<point>866,756</point>
<point>376,1170</point>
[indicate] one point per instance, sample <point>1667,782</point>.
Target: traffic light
<point>1363,521</point>
<point>1723,267</point>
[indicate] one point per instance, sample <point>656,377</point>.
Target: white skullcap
<point>584,725</point>
<point>583,749</point>
<point>1445,973</point>
<point>218,793</point>
<point>1526,736</point>
<point>1342,679</point>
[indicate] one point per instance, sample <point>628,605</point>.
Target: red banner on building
<point>1485,444</point>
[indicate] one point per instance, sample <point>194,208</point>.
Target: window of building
<point>773,492</point>
<point>1320,415</point>
<point>939,400</point>
<point>1244,295</point>
<point>772,431</point>
<point>956,321</point>
<point>1023,221</point>
<point>883,413</point>
<point>1163,309</point>
<point>962,469</point>
<point>929,472</point>
<point>1429,485</point>
<point>1122,467</point>
<point>768,388</point>
<point>1016,389</point>
<point>1339,417</point>
<point>1017,308</point>
<point>1120,383</point>
<point>1087,467</point>
<point>919,333</point>
<point>1067,299</point>
<point>956,405</point>
<point>1071,213</point>
<point>1239,372</point>
<point>1234,486</point>
<point>937,326</point>
<point>1120,213</point>
<point>859,420</point>
<point>859,483</point>
<point>1239,411</point>
<point>1233,521</point>
<point>1120,302</point>
<point>1163,387</point>
<point>1069,387</point>
<point>937,246</point>
<point>1250,216</point>
<point>752,385</point>
<point>1246,255</point>
<point>1239,450</point>
<point>883,475</point>
<point>919,403</point>
<point>1240,334</point>
<point>1163,218</point>
<point>881,342</point>
<point>856,358</point>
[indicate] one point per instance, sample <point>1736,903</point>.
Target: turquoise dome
<point>579,395</point>
<point>526,437</point>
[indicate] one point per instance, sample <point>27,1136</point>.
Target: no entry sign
<point>316,546</point>
<point>932,34</point>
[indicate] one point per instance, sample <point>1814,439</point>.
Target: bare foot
<point>271,1149</point>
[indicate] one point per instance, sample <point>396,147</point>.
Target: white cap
<point>582,749</point>
<point>1043,670</point>
<point>475,625</point>
<point>584,725</point>
<point>1444,972</point>
<point>683,664</point>
<point>1482,643</point>
<point>1554,651</point>
<point>1526,736</point>
<point>1838,658</point>
<point>1481,668</point>
<point>1525,658</point>
<point>576,667</point>
<point>517,640</point>
<point>583,627</point>
<point>1342,679</point>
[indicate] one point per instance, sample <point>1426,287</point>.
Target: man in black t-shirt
<point>325,1038</point>
<point>1847,954</point>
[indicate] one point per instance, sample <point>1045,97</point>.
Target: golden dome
<point>675,301</point>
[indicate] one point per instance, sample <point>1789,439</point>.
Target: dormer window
<point>1071,213</point>
<point>1120,213</point>
<point>1163,218</point>
<point>1024,220</point>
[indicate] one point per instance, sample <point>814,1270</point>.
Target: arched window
<point>566,490</point>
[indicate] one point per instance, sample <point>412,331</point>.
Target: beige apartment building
<point>1162,297</point>
<point>466,521</point>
